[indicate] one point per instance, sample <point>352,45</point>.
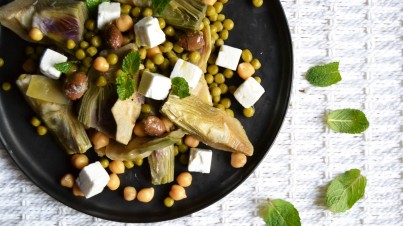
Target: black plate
<point>263,30</point>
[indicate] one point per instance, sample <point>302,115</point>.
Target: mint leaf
<point>92,5</point>
<point>65,66</point>
<point>131,63</point>
<point>158,6</point>
<point>324,75</point>
<point>347,121</point>
<point>180,87</point>
<point>345,190</point>
<point>125,86</point>
<point>280,213</point>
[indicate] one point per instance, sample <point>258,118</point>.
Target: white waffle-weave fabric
<point>366,36</point>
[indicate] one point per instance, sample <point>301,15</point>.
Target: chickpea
<point>117,166</point>
<point>114,181</point>
<point>124,23</point>
<point>145,194</point>
<point>167,122</point>
<point>67,180</point>
<point>238,160</point>
<point>245,70</point>
<point>100,140</point>
<point>177,192</point>
<point>139,130</point>
<point>101,64</point>
<point>36,34</point>
<point>191,141</point>
<point>129,193</point>
<point>184,179</point>
<point>77,191</point>
<point>79,161</point>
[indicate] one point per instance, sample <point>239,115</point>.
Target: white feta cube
<point>200,160</point>
<point>48,61</point>
<point>190,72</point>
<point>228,57</point>
<point>154,86</point>
<point>107,11</point>
<point>92,179</point>
<point>148,32</point>
<point>249,92</point>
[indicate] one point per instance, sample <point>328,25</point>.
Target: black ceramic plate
<point>263,30</point>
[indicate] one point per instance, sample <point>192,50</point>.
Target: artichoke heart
<point>162,164</point>
<point>59,20</point>
<point>141,147</point>
<point>211,125</point>
<point>59,118</point>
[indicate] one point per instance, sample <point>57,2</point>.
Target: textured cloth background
<point>366,36</point>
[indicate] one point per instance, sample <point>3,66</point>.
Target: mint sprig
<point>350,121</point>
<point>345,190</point>
<point>280,213</point>
<point>65,66</point>
<point>324,75</point>
<point>92,5</point>
<point>125,85</point>
<point>180,87</point>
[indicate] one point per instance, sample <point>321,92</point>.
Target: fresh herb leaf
<point>65,66</point>
<point>324,75</point>
<point>345,190</point>
<point>280,213</point>
<point>124,86</point>
<point>92,5</point>
<point>158,6</point>
<point>180,87</point>
<point>347,121</point>
<point>131,63</point>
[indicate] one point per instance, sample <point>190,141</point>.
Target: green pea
<point>219,42</point>
<point>35,121</point>
<point>136,11</point>
<point>194,57</point>
<point>256,64</point>
<point>218,7</point>
<point>138,161</point>
<point>215,36</point>
<point>158,59</point>
<point>248,112</point>
<point>212,85</point>
<point>224,88</point>
<point>128,164</point>
<point>247,55</point>
<point>223,1</point>
<point>212,69</point>
<point>143,53</point>
<point>90,25</point>
<point>70,44</point>
<point>257,3</point>
<point>149,64</point>
<point>213,28</point>
<point>80,54</point>
<point>88,35</point>
<point>230,112</point>
<point>201,26</point>
<point>228,73</point>
<point>146,108</point>
<point>213,17</point>
<point>101,81</point>
<point>221,17</point>
<point>216,99</point>
<point>219,78</point>
<point>166,47</point>
<point>164,66</point>
<point>258,79</point>
<point>209,78</point>
<point>96,41</point>
<point>224,34</point>
<point>112,58</point>
<point>210,11</point>
<point>216,91</point>
<point>182,148</point>
<point>147,12</point>
<point>185,56</point>
<point>220,106</point>
<point>169,202</point>
<point>169,31</point>
<point>212,59</point>
<point>219,25</point>
<point>176,150</point>
<point>92,51</point>
<point>104,162</point>
<point>228,24</point>
<point>206,21</point>
<point>226,102</point>
<point>41,130</point>
<point>161,22</point>
<point>177,48</point>
<point>87,62</point>
<point>84,44</point>
<point>184,159</point>
<point>232,89</point>
<point>125,9</point>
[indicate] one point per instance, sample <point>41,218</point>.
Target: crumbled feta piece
<point>92,179</point>
<point>107,11</point>
<point>190,72</point>
<point>154,86</point>
<point>200,160</point>
<point>148,32</point>
<point>249,92</point>
<point>48,61</point>
<point>228,57</point>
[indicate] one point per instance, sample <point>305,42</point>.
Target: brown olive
<point>191,40</point>
<point>75,85</point>
<point>113,37</point>
<point>154,126</point>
